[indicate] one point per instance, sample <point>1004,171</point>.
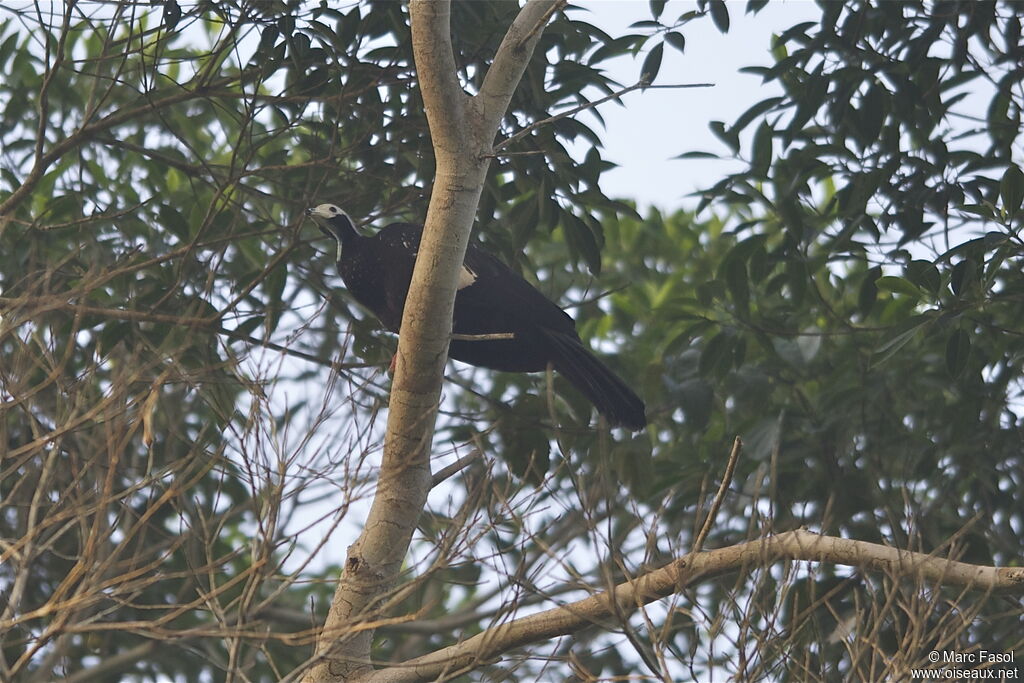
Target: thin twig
<point>589,105</point>
<point>598,296</point>
<point>730,468</point>
<point>484,337</point>
<point>456,467</point>
<point>190,322</point>
<point>529,153</point>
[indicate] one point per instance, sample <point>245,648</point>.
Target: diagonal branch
<point>583,107</point>
<point>510,62</point>
<point>799,545</point>
<point>723,488</point>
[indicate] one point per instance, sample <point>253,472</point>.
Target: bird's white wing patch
<point>466,277</point>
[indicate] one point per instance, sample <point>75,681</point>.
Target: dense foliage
<point>877,267</point>
<point>864,325</point>
<point>182,420</point>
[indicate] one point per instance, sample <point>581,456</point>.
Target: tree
<point>177,408</point>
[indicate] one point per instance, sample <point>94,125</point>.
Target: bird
<point>519,329</point>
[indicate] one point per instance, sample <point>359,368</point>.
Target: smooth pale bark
<point>625,598</point>
<point>463,129</point>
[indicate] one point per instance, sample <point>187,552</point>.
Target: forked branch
<point>461,127</point>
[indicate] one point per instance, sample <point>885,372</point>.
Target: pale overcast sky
<point>656,125</point>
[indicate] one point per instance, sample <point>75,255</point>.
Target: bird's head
<point>333,222</point>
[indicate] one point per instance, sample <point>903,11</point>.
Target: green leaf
<point>925,275</point>
<point>1011,189</point>
<point>909,330</point>
<point>986,211</point>
<point>172,220</point>
<point>248,326</point>
<point>868,293</point>
<point>872,113</point>
<point>708,291</point>
<point>963,275</point>
<point>898,285</point>
<point>113,332</point>
<point>253,250</point>
<point>753,112</point>
<point>736,280</point>
<point>582,240</point>
<point>676,40</point>
<point>716,356</point>
<point>696,398</point>
<point>761,157</point>
<point>729,137</point>
<point>527,449</point>
<point>720,15</point>
<point>652,64</point>
<point>958,350</point>
<point>273,288</point>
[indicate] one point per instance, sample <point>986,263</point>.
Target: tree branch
<point>484,337</point>
<point>510,61</point>
<point>443,98</point>
<point>111,120</point>
<point>462,130</point>
<point>115,664</point>
<point>798,545</point>
<point>723,488</point>
<point>456,467</point>
<point>57,303</point>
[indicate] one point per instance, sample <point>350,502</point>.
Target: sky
<point>656,125</point>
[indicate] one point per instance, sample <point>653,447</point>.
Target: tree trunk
<point>462,130</point>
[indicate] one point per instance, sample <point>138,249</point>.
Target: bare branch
<point>799,545</point>
<point>44,304</point>
<point>114,664</point>
<point>484,337</point>
<point>510,62</point>
<point>456,467</point>
<point>443,98</point>
<point>583,107</point>
<point>723,488</point>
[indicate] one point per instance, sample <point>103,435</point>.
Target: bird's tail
<point>610,395</point>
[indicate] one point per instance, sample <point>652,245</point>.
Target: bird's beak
<point>312,215</point>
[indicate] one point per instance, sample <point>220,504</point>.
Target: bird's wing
<point>491,298</point>
<point>487,283</point>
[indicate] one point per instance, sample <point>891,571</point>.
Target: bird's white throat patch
<point>466,277</point>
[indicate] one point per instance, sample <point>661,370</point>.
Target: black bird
<point>491,299</point>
